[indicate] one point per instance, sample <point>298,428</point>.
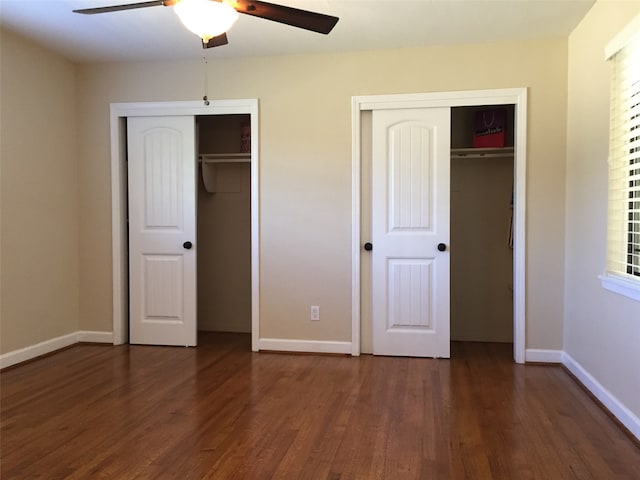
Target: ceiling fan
<point>211,19</point>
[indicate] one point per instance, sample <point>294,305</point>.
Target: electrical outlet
<point>315,312</point>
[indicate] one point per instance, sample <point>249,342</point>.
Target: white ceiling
<point>155,33</point>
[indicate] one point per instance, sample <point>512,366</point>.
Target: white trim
<point>95,337</point>
<point>33,351</point>
<point>516,96</point>
<point>305,346</point>
<point>440,99</point>
<point>163,109</point>
<point>355,224</point>
<point>118,189</point>
<point>610,402</point>
<point>620,285</point>
<point>119,242</point>
<point>255,225</point>
<point>543,356</point>
<point>623,38</point>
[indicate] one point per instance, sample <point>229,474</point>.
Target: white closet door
<point>410,223</point>
<point>162,230</point>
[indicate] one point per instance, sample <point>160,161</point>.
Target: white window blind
<point>623,256</point>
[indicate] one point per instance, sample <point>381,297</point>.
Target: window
<point>623,241</point>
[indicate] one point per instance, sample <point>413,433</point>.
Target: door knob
<point>368,246</point>
<point>442,247</point>
<point>187,245</point>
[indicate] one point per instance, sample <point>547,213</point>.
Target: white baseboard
<point>33,351</point>
<point>610,402</point>
<point>48,346</point>
<point>625,416</point>
<point>543,356</point>
<point>95,337</point>
<point>304,346</point>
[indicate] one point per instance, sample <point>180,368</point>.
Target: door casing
<point>515,96</point>
<point>119,112</point>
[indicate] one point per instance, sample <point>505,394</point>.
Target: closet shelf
<point>208,158</point>
<point>504,152</point>
<point>209,173</point>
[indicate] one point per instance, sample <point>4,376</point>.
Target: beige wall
<point>305,173</point>
<point>602,329</point>
<point>39,202</point>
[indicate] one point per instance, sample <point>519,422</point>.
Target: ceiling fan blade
<point>316,22</point>
<point>127,6</point>
<point>216,41</point>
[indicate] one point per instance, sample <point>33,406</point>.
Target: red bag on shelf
<point>489,128</point>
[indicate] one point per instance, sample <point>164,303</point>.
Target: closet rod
<point>224,158</point>
<point>506,152</point>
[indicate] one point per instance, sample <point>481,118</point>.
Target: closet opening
<point>224,225</point>
<point>482,212</point>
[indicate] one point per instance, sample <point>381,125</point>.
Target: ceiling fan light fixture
<point>206,18</point>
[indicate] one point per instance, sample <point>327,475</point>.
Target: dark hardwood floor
<point>219,411</point>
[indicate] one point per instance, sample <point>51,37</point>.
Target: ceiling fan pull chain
<point>205,99</point>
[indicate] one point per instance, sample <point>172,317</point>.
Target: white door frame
<point>119,113</point>
<point>516,96</point>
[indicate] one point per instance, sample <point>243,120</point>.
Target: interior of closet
<point>482,175</point>
<point>224,223</point>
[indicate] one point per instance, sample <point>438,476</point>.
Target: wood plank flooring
<point>219,411</point>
